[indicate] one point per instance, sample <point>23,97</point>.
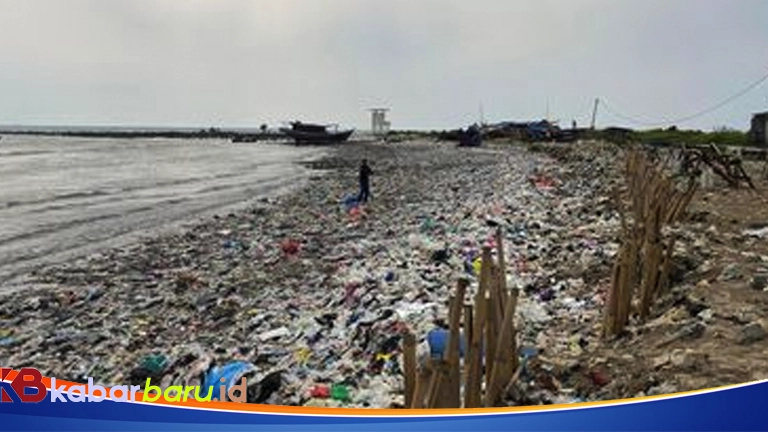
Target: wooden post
<point>488,284</point>
<point>452,391</point>
<point>435,384</point>
<point>468,320</point>
<point>504,365</point>
<point>666,264</point>
<point>423,384</point>
<point>496,297</point>
<point>625,288</point>
<point>486,268</point>
<point>502,266</point>
<point>513,328</point>
<point>409,366</point>
<point>490,338</point>
<point>611,301</point>
<point>475,358</point>
<point>655,202</point>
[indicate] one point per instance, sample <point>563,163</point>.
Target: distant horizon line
<point>155,128</point>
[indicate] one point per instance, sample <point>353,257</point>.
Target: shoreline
<point>212,133</point>
<point>66,197</point>
<point>222,287</point>
<point>18,279</point>
<point>298,286</point>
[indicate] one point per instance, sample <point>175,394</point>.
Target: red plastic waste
<point>320,391</point>
<point>290,247</point>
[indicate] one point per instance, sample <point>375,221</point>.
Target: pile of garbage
<point>312,292</point>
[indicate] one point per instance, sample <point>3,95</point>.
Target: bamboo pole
<point>514,379</point>
<point>496,296</point>
<point>474,359</point>
<point>649,262</point>
<point>643,262</point>
<point>491,339</point>
<point>423,385</point>
<point>467,323</point>
<point>678,210</point>
<point>622,275</point>
<point>485,268</point>
<point>610,318</point>
<point>666,265</point>
<point>409,366</point>
<point>514,294</point>
<point>502,260</point>
<point>453,387</point>
<point>488,284</point>
<point>434,390</point>
<point>626,285</point>
<point>612,300</point>
<point>503,367</point>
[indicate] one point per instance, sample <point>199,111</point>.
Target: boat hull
<point>311,137</point>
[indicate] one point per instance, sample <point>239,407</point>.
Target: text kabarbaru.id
<point>121,393</point>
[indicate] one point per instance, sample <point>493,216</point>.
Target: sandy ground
<point>723,262</point>
<point>221,284</point>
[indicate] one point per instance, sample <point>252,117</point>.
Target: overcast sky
<point>433,62</point>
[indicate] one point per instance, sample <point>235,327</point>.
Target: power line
<point>715,107</point>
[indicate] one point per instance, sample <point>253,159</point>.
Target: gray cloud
<point>206,62</point>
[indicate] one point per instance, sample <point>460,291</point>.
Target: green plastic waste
<point>155,363</point>
<point>428,225</point>
<point>340,393</point>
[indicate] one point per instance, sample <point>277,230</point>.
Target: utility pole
<point>594,113</point>
<point>482,115</point>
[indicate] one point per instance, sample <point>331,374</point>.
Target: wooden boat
<point>307,133</point>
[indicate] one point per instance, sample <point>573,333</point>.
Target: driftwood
<point>727,167</point>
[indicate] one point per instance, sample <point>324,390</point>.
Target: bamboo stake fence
<point>651,201</point>
<point>490,363</point>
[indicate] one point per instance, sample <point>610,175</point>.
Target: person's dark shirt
<point>365,174</point>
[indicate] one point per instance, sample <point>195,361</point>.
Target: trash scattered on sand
<point>313,291</point>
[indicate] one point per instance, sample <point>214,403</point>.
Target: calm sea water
<point>65,197</point>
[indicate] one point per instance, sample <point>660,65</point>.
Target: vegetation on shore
<point>668,136</point>
<point>727,137</point>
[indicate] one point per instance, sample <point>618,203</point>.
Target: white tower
<point>379,123</point>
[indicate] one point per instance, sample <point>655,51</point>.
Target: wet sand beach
<point>64,197</point>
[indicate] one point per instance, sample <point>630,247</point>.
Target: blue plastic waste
<point>231,244</point>
<point>389,276</point>
<point>350,202</point>
<point>438,339</point>
<point>231,372</point>
<point>528,352</point>
<point>468,267</point>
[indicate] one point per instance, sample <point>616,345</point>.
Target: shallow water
<point>64,197</point>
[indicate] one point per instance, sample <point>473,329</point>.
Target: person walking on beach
<point>365,182</point>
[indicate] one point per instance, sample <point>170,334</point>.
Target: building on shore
<point>379,123</point>
<point>757,133</point>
